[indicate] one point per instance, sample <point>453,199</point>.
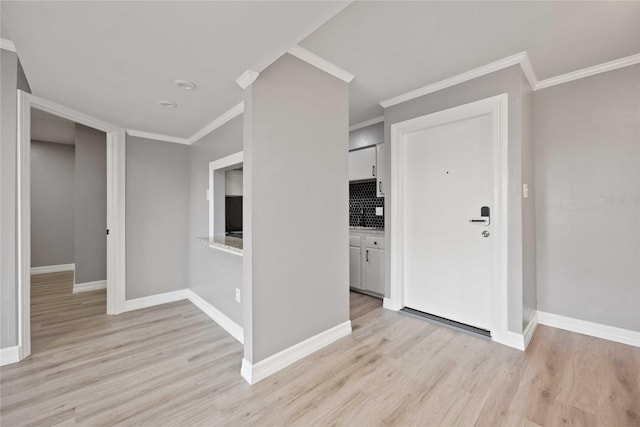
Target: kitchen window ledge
<point>230,244</point>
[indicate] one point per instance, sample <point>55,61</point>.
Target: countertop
<point>367,230</point>
<point>226,243</point>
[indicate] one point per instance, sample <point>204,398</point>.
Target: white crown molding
<point>611,333</point>
<point>321,63</point>
<point>7,45</point>
<point>219,121</point>
<point>247,78</point>
<point>589,71</point>
<point>217,316</point>
<point>366,123</point>
<point>258,371</point>
<point>158,136</point>
<point>9,355</point>
<point>60,110</point>
<point>521,59</point>
<point>53,268</point>
<point>157,299</point>
<point>89,286</point>
<point>207,129</point>
<point>528,71</point>
<point>501,64</point>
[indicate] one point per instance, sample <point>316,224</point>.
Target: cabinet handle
<point>380,186</point>
<point>373,171</point>
<point>367,255</point>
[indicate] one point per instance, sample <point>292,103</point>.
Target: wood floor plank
<point>170,365</point>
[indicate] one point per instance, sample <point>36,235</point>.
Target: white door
<point>447,180</point>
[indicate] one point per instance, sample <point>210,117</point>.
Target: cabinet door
<point>355,267</point>
<point>362,164</point>
<point>374,271</point>
<point>381,170</point>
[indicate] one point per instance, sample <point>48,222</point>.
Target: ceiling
<point>395,47</point>
<point>49,128</point>
<point>115,60</point>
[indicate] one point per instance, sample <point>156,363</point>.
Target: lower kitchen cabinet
<point>366,264</point>
<point>374,271</point>
<point>355,267</point>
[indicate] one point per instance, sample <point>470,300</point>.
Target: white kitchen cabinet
<point>366,262</point>
<point>374,271</point>
<point>362,164</point>
<point>355,267</point>
<point>381,170</point>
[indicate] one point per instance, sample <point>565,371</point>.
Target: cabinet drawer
<point>354,241</point>
<point>375,242</point>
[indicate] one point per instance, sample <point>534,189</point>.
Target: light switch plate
<point>525,191</point>
<point>237,295</point>
<point>380,211</point>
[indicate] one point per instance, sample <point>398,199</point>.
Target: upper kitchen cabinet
<point>381,170</point>
<point>362,164</point>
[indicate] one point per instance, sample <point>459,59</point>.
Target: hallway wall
<point>52,203</point>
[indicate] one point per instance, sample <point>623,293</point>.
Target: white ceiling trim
<point>7,45</point>
<point>321,63</point>
<point>247,78</point>
<point>215,124</point>
<point>158,136</point>
<point>589,71</point>
<point>501,64</point>
<point>523,60</point>
<point>222,119</point>
<point>72,115</point>
<point>366,123</point>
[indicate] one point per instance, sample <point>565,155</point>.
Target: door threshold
<point>448,323</point>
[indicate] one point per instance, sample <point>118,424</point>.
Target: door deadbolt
<point>485,233</point>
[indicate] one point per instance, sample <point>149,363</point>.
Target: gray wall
<point>90,205</point>
<point>587,147</point>
<point>366,136</point>
<point>504,81</point>
<point>157,216</point>
<point>8,283</point>
<point>213,274</point>
<point>52,194</point>
<point>295,172</point>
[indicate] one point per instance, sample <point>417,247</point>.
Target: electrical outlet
<point>237,295</point>
<point>379,211</point>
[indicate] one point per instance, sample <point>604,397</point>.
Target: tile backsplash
<point>362,195</point>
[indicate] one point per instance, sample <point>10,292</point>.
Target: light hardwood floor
<point>171,365</point>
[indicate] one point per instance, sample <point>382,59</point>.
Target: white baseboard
<point>611,333</point>
<point>52,268</point>
<point>217,316</point>
<point>530,329</point>
<point>9,355</point>
<point>150,301</point>
<point>389,305</point>
<point>89,286</point>
<point>272,364</point>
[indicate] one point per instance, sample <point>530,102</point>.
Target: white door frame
<point>497,109</point>
<point>115,209</point>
